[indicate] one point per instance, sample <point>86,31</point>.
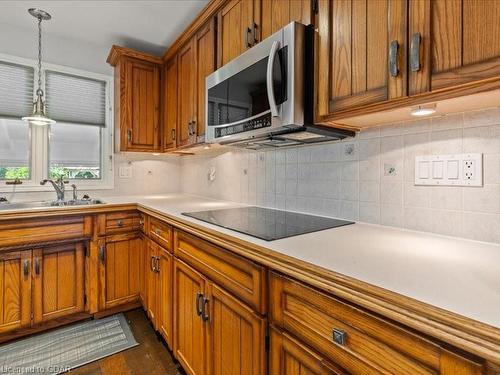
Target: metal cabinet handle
<point>158,232</point>
<point>415,52</point>
<point>26,268</point>
<point>120,223</point>
<point>199,303</point>
<point>129,136</point>
<point>248,33</point>
<point>204,314</point>
<point>152,264</point>
<point>102,253</point>
<point>173,134</point>
<point>189,129</point>
<point>254,34</point>
<point>393,58</point>
<point>157,264</point>
<point>37,266</point>
<point>339,336</point>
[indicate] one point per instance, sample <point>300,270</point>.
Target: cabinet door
<point>234,32</point>
<point>278,13</point>
<point>356,40</point>
<point>186,94</point>
<point>190,331</point>
<point>165,319</point>
<point>170,104</point>
<point>237,335</point>
<point>205,64</point>
<point>141,90</point>
<point>289,357</point>
<point>459,43</point>
<point>119,270</point>
<point>152,280</point>
<point>15,290</point>
<point>58,281</point>
<point>144,269</point>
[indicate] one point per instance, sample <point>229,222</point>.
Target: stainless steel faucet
<point>58,187</point>
<point>75,192</point>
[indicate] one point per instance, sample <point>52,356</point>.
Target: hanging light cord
<point>39,91</point>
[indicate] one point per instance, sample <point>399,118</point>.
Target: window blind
<point>16,90</point>
<point>73,99</point>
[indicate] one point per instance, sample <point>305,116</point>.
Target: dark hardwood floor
<point>150,357</point>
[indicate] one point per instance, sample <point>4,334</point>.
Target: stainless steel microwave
<point>260,91</point>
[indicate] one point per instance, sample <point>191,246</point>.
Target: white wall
<point>324,180</point>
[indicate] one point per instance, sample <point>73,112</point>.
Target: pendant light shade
<point>39,116</point>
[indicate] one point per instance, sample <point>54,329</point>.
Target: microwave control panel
<point>258,123</point>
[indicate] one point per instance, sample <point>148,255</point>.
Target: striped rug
<point>66,348</point>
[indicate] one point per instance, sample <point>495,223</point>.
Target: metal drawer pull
<point>26,268</point>
<point>415,52</point>
<point>152,264</point>
<point>199,303</point>
<point>393,58</point>
<point>157,264</point>
<point>339,336</point>
<point>120,223</point>
<point>158,231</point>
<point>37,266</point>
<point>204,315</point>
<point>102,253</point>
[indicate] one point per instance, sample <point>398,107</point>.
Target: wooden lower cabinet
<point>15,290</point>
<point>288,356</point>
<point>119,270</point>
<point>190,331</point>
<point>237,335</point>
<point>58,281</point>
<point>165,295</point>
<point>152,281</point>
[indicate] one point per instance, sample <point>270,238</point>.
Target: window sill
<point>39,188</point>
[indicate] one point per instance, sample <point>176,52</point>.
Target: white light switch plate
<point>449,170</point>
<point>125,171</point>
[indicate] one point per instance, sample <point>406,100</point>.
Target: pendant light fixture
<point>39,116</point>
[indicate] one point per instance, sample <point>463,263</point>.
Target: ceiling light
<point>39,117</point>
<point>156,154</point>
<point>423,110</point>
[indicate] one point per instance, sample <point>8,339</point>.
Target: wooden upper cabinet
<point>15,290</point>
<point>237,29</point>
<point>276,14</point>
<point>170,104</point>
<point>137,100</point>
<point>358,41</point>
<point>58,281</point>
<point>205,64</point>
<point>186,113</point>
<point>459,43</point>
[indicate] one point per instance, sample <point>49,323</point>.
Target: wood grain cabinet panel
<point>353,338</point>
<point>119,270</point>
<point>15,290</point>
<point>170,104</point>
<point>354,49</point>
<point>161,233</point>
<point>237,335</point>
<point>243,278</point>
<point>190,332</point>
<point>58,281</point>
<point>152,282</point>
<point>186,94</point>
<point>165,295</point>
<point>288,356</point>
<point>459,43</point>
<point>236,22</point>
<point>276,14</point>
<point>121,222</point>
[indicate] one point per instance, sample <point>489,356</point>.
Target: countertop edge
<point>465,333</point>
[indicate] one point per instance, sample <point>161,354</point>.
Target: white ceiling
<point>148,25</point>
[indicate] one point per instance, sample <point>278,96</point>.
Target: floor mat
<point>65,348</point>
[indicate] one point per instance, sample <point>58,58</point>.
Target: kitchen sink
<point>44,204</point>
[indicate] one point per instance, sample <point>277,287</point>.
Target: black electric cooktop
<point>265,223</point>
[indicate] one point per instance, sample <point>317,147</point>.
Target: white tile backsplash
<point>350,179</point>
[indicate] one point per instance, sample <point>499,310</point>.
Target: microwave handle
<point>269,79</point>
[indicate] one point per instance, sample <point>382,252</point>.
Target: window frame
<point>39,136</point>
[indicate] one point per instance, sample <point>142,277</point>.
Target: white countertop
<point>458,275</point>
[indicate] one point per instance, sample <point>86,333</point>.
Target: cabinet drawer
<point>119,222</point>
<point>245,279</point>
<point>161,233</point>
<point>351,337</point>
<point>19,233</point>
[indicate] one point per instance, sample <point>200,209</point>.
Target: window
<point>78,146</point>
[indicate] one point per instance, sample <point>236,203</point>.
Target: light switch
<point>423,169</point>
<point>452,172</point>
<point>437,169</point>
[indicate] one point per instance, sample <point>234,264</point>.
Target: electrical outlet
<point>449,170</point>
